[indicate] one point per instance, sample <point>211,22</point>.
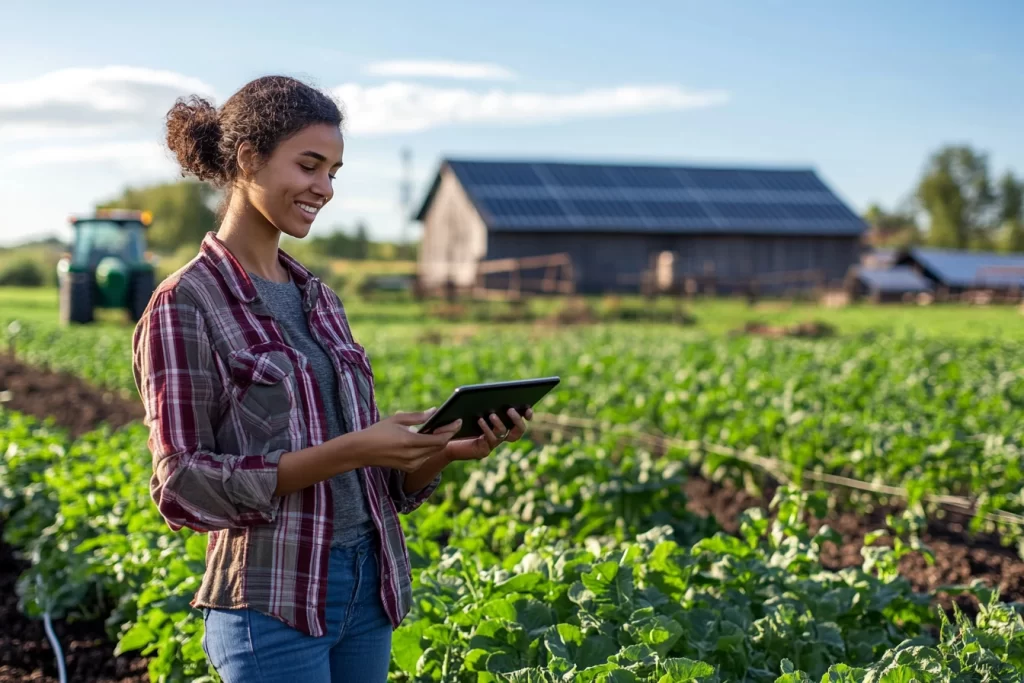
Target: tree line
<point>956,204</point>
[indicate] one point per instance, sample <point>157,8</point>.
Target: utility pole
<point>405,193</point>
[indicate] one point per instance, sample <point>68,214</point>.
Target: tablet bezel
<point>450,410</point>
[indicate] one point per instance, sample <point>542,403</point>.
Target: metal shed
<point>733,224</point>
<point>959,271</point>
<point>888,284</point>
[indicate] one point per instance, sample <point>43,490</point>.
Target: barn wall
<point>613,262</point>
<point>454,236</point>
<point>601,263</point>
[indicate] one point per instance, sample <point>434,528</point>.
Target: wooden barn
<point>731,227</point>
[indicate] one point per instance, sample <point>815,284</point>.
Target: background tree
<point>1011,213</point>
<point>957,195</point>
<point>897,229</point>
<point>182,212</point>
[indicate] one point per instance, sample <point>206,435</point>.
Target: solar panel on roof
<point>714,179</point>
<point>501,174</point>
<point>605,209</point>
<point>682,210</point>
<point>564,196</point>
<point>788,181</point>
<point>814,212</point>
<point>748,211</point>
<point>580,176</point>
<point>529,208</point>
<point>646,178</point>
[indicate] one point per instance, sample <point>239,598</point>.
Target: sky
<point>862,92</point>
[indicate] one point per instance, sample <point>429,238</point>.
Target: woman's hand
<point>391,443</point>
<point>493,434</point>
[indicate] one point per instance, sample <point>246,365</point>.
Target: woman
<point>263,424</point>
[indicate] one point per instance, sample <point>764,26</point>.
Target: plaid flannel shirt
<point>225,397</point>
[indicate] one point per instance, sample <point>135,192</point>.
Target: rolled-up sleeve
<point>175,372</point>
<point>407,502</point>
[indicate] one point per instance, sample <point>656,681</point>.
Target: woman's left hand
<point>493,434</point>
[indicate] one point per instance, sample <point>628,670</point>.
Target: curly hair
<point>263,112</point>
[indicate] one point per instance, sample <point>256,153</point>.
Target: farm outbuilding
<point>735,228</point>
<point>900,283</point>
<point>956,272</point>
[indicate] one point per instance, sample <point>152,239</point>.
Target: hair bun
<point>194,135</point>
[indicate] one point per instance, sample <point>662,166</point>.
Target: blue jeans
<point>246,645</point>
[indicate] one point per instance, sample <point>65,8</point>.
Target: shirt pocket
<point>263,382</point>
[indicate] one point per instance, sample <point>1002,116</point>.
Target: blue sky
<point>861,91</point>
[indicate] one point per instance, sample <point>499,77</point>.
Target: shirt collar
<point>240,284</point>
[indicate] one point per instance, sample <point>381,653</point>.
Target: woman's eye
<point>308,168</point>
<point>332,177</point>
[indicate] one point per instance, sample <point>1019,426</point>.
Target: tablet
<point>474,401</point>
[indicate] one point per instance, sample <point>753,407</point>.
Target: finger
<point>492,440</point>
<point>410,419</point>
<point>518,428</point>
<point>499,426</point>
<point>517,420</point>
<point>452,427</point>
<point>437,440</point>
<point>529,413</point>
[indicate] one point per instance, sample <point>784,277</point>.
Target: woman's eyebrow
<point>319,157</point>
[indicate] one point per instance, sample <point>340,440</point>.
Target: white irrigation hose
<point>55,644</point>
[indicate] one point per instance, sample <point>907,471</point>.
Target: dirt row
<point>25,651</point>
<point>959,557</point>
<point>26,655</point>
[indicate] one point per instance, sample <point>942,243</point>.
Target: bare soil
<point>960,557</point>
<point>25,651</point>
<point>73,403</point>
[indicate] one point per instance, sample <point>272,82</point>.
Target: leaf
<point>595,650</point>
<point>136,638</point>
<point>682,670</point>
<point>660,633</point>
<point>476,660</point>
<point>563,641</point>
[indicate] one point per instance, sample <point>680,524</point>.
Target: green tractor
<point>108,266</point>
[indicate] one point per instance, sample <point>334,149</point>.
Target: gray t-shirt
<point>352,518</point>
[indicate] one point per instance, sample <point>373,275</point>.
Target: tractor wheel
<point>142,286</point>
<point>76,298</point>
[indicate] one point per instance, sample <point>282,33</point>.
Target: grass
<point>714,317</point>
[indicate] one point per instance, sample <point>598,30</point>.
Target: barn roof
<point>893,280</point>
<point>966,269</point>
<point>545,195</point>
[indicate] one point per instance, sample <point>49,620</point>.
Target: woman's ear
<point>246,160</point>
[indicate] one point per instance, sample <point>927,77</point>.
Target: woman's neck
<point>253,240</point>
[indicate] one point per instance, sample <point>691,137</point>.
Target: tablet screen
<point>473,401</point>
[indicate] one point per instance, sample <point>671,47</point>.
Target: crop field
<point>690,505</point>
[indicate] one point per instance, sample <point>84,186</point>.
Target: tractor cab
<point>108,265</point>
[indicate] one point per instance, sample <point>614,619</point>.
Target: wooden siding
<point>613,262</point>
<point>454,237</point>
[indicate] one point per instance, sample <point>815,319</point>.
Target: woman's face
<point>297,180</point>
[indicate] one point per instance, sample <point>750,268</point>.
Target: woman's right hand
<point>390,442</point>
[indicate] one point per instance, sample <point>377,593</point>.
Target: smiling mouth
<point>308,209</point>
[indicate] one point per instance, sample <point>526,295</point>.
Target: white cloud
<point>367,204</point>
<point>400,107</point>
<point>91,100</point>
<point>139,157</point>
<point>425,68</point>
